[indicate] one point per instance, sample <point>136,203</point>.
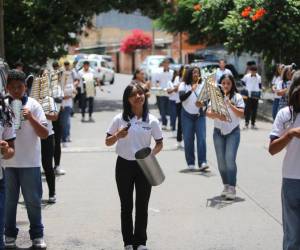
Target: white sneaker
<point>141,247</point>
<point>191,167</point>
<point>254,127</point>
<point>59,171</point>
<point>225,191</point>
<point>179,144</point>
<point>39,243</point>
<point>64,145</point>
<point>52,199</point>
<point>163,127</point>
<point>10,242</point>
<point>231,194</point>
<point>128,247</point>
<point>204,166</point>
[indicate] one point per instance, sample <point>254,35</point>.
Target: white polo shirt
<point>171,85</point>
<point>163,77</point>
<point>6,133</point>
<point>283,122</point>
<point>252,82</point>
<point>227,127</point>
<point>190,103</point>
<point>139,135</point>
<point>220,73</point>
<point>277,82</point>
<point>68,88</point>
<point>27,143</point>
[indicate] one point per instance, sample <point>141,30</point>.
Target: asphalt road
<point>185,212</point>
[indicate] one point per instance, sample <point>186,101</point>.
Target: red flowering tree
<point>137,40</point>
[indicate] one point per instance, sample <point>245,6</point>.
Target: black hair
<point>222,60</point>
<point>137,71</point>
<point>294,92</point>
<point>188,79</point>
<point>284,73</point>
<point>55,64</point>
<point>6,114</point>
<point>19,64</point>
<point>86,63</point>
<point>127,111</point>
<point>251,63</point>
<point>175,74</point>
<point>66,63</point>
<point>181,70</point>
<point>253,68</point>
<point>233,88</point>
<point>16,75</point>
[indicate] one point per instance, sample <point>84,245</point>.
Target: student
<point>276,87</point>
<point>88,91</point>
<point>139,78</point>
<point>286,135</point>
<point>287,74</point>
<point>172,90</point>
<point>129,175</point>
<point>7,137</point>
<point>193,119</point>
<point>252,82</point>
<point>222,71</point>
<point>227,135</point>
<point>161,79</point>
<point>23,170</point>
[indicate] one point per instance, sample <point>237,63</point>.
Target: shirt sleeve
<point>240,102</point>
<point>244,79</point>
<point>39,114</point>
<point>114,126</point>
<point>279,124</point>
<point>9,133</point>
<point>156,131</point>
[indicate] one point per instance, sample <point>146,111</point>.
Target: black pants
<point>84,102</point>
<point>251,110</point>
<point>78,97</point>
<point>130,176</point>
<point>179,128</point>
<point>47,162</point>
<point>57,139</point>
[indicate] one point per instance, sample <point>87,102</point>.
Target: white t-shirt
<point>277,82</point>
<point>139,135</point>
<point>27,143</point>
<point>68,88</point>
<point>171,85</point>
<point>252,82</point>
<point>227,127</point>
<point>283,122</point>
<point>190,103</point>
<point>220,73</point>
<point>162,78</point>
<point>89,77</point>
<point>6,133</point>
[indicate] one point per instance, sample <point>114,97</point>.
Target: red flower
<point>137,40</point>
<point>246,12</point>
<point>258,14</point>
<point>197,7</point>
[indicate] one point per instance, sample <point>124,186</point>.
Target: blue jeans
<point>275,107</point>
<point>65,120</point>
<point>290,194</point>
<point>30,182</point>
<point>226,147</point>
<point>191,125</point>
<point>173,114</point>
<point>2,205</point>
<point>163,106</point>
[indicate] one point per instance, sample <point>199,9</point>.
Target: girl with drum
<point>132,130</point>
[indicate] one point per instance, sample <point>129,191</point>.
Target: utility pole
<point>153,39</point>
<point>2,51</point>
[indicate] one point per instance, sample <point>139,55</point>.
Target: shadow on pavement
<point>206,173</point>
<point>219,202</point>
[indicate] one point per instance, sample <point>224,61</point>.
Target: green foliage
<point>39,29</point>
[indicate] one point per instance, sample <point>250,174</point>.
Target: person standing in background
<point>139,78</point>
<point>287,74</point>
<point>222,71</point>
<point>161,79</point>
<point>276,87</point>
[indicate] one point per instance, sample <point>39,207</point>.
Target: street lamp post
<point>2,52</point>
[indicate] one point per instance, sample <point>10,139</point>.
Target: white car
<point>102,69</point>
<point>151,65</point>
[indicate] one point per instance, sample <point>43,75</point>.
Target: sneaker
<point>225,191</point>
<point>69,139</point>
<point>52,199</point>
<point>254,127</point>
<point>59,171</point>
<point>39,243</point>
<point>163,127</point>
<point>203,166</point>
<point>246,126</point>
<point>141,247</point>
<point>191,167</point>
<point>231,194</point>
<point>128,247</point>
<point>82,119</point>
<point>10,242</point>
<point>91,119</point>
<point>64,145</point>
<point>179,144</point>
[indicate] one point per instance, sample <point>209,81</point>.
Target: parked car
<point>102,69</point>
<point>152,64</point>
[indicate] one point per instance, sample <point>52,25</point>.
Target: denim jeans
<point>226,147</point>
<point>194,125</point>
<point>30,182</point>
<point>2,204</point>
<point>275,107</point>
<point>65,120</point>
<point>173,114</point>
<point>163,106</point>
<point>290,195</point>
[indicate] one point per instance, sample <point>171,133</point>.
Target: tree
<point>39,29</point>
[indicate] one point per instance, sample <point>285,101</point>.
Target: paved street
<point>185,212</point>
